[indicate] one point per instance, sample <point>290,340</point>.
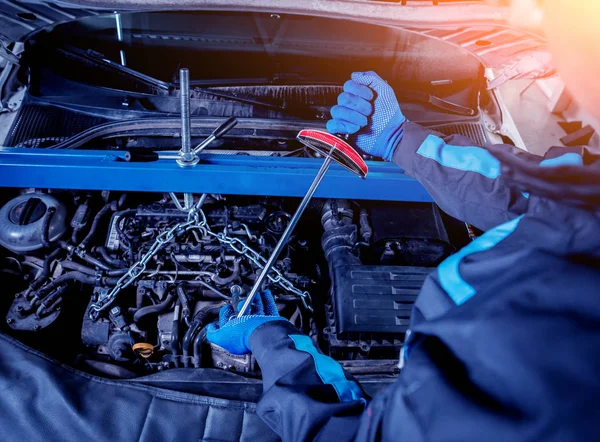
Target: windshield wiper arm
<point>100,58</point>
<point>306,112</point>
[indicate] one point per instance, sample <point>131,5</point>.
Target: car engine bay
<point>115,268</point>
<point>124,284</point>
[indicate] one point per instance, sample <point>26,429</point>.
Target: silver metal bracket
<point>187,159</point>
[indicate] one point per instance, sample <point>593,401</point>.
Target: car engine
<point>124,284</point>
<point>107,271</point>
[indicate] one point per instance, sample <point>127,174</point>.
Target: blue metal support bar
<point>225,174</point>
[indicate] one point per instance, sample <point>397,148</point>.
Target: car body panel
<point>481,29</point>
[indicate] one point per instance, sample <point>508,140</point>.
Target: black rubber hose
<point>45,273</point>
<point>115,262</point>
<point>210,287</point>
<point>75,276</point>
<point>49,301</point>
<point>71,265</point>
<point>107,207</point>
<point>198,340</point>
<point>46,226</point>
<point>126,212</point>
<point>175,346</point>
<point>235,274</point>
<point>199,321</point>
<point>203,316</point>
<point>84,256</point>
<point>188,338</point>
<point>96,262</point>
<point>67,277</point>
<point>153,309</point>
<point>125,242</point>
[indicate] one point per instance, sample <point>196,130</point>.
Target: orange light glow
<point>573,30</point>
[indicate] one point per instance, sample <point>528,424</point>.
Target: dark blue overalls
<point>505,334</point>
<point>503,346</point>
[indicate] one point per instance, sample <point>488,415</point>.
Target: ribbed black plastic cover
<point>44,125</point>
<point>376,299</point>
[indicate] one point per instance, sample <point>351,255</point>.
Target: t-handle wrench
<point>217,133</point>
<point>334,149</point>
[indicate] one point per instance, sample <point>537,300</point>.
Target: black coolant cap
<point>22,221</point>
<point>27,212</point>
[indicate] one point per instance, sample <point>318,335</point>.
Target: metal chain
<point>137,269</point>
<point>242,248</point>
<point>196,220</point>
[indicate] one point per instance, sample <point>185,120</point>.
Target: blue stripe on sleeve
<point>466,158</point>
<point>568,159</point>
<point>329,370</point>
<point>452,282</point>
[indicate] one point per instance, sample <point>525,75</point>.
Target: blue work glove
<point>233,333</point>
<point>368,108</point>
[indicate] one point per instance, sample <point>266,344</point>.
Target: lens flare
<point>573,32</point>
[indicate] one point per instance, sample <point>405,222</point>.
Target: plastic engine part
<point>375,299</point>
<point>22,221</point>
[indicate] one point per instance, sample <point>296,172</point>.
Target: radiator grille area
<point>44,126</point>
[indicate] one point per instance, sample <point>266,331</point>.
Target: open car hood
<point>479,28</point>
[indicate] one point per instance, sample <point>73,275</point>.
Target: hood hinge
<point>6,53</point>
<point>532,65</point>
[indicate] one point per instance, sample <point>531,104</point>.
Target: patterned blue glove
<point>368,108</point>
<point>233,333</point>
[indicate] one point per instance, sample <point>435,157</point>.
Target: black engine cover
<point>375,299</point>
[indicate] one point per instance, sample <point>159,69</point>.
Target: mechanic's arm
<point>463,179</point>
<point>306,395</point>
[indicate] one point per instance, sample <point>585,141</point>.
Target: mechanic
<point>504,336</point>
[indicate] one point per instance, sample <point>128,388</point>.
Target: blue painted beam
<point>225,174</point>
